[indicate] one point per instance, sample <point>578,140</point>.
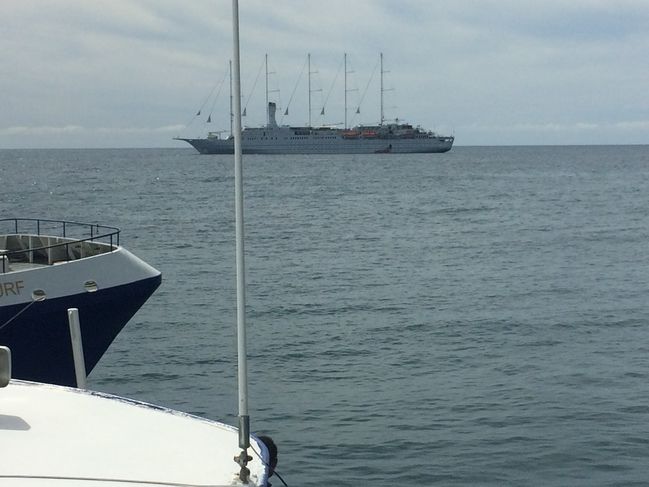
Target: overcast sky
<point>133,73</point>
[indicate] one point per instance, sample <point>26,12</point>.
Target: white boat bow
<point>54,435</point>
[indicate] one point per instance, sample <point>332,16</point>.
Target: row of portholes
<point>40,295</point>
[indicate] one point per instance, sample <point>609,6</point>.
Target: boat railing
<point>42,241</point>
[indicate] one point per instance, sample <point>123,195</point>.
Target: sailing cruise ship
<point>384,137</point>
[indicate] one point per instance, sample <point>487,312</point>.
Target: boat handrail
<point>59,229</point>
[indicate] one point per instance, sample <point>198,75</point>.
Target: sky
<point>134,73</point>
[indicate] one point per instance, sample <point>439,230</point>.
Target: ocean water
<point>479,317</point>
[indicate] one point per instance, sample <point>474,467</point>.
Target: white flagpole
<point>244,419</point>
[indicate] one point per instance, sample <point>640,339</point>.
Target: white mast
<point>267,119</point>
<point>383,90</point>
<point>268,91</point>
<point>345,63</point>
<point>382,117</point>
<point>244,419</point>
<point>309,83</point>
<point>231,113</point>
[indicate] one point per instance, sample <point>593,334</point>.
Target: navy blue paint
<point>39,338</point>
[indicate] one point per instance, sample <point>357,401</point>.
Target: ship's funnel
<point>271,115</point>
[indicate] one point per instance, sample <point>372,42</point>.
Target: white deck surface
<point>55,436</point>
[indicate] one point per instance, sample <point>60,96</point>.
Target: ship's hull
<point>107,289</point>
<point>40,337</point>
<point>324,145</point>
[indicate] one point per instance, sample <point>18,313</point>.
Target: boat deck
<point>26,266</point>
<point>51,242</point>
<point>58,436</point>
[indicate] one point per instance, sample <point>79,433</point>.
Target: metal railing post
<point>77,348</point>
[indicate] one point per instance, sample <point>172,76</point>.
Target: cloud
<point>554,133</point>
<point>505,64</point>
<point>76,129</point>
<point>76,136</point>
<point>22,130</point>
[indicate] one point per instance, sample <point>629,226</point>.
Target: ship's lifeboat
<point>369,134</point>
<point>351,134</point>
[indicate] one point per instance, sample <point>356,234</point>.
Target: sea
<point>474,318</point>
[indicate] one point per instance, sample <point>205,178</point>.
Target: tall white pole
<point>345,63</point>
<point>244,419</point>
<point>309,83</point>
<point>267,117</point>
<point>382,117</point>
<point>231,113</point>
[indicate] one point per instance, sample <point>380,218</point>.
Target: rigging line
<point>217,95</point>
<point>332,86</point>
<point>294,89</point>
<point>365,91</point>
<point>245,105</point>
<point>198,113</point>
<point>41,298</point>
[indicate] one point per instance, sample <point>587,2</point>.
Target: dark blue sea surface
<point>479,317</point>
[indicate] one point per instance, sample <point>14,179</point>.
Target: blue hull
<point>39,338</point>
